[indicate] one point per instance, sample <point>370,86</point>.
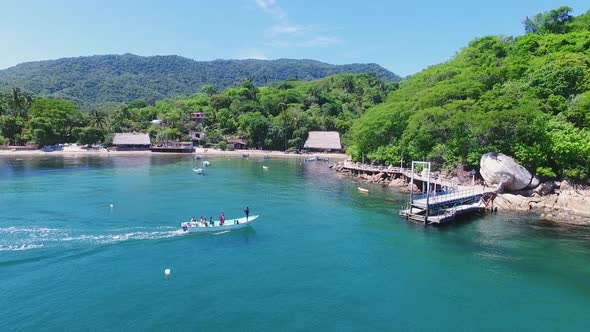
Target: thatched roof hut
<point>132,141</point>
<point>323,140</point>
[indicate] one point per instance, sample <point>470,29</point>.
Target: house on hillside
<point>327,141</point>
<point>196,137</point>
<point>131,141</point>
<point>237,143</point>
<point>198,117</point>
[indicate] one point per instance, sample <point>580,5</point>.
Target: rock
<point>398,183</point>
<point>545,188</point>
<point>501,170</point>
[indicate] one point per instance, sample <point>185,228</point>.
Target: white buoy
<point>167,273</point>
<point>111,205</point>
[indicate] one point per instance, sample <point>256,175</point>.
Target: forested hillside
<point>526,96</point>
<point>88,81</point>
<point>277,116</point>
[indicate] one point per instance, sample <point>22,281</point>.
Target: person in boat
<point>193,221</point>
<point>221,219</point>
<point>247,212</point>
<point>211,221</point>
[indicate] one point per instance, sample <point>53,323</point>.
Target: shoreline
<point>197,152</point>
<point>563,204</point>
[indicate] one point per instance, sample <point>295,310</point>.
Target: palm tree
<point>20,102</point>
<point>97,119</point>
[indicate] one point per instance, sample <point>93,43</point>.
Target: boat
<point>266,156</point>
<point>363,190</point>
<point>265,167</point>
<point>230,224</point>
<point>206,163</point>
<point>197,158</point>
<point>322,159</point>
<point>198,171</point>
<point>311,159</point>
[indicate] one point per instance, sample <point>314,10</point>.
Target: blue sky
<point>402,36</point>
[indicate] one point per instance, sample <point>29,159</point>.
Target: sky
<point>402,36</point>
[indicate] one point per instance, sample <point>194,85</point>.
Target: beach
<point>77,150</point>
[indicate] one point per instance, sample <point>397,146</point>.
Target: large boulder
<point>501,170</point>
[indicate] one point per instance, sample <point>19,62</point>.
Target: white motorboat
<point>228,225</point>
<point>206,163</point>
<point>198,171</point>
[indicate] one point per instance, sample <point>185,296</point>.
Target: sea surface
<point>84,242</point>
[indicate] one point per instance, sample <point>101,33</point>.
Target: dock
<point>436,207</point>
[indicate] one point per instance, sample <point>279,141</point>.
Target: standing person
<point>211,221</point>
<point>247,212</point>
<point>221,219</point>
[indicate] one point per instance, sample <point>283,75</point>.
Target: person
<point>247,212</point>
<point>221,219</point>
<point>211,221</point>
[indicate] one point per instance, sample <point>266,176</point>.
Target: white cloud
<point>271,7</point>
<point>285,29</point>
<point>286,34</point>
<point>252,54</point>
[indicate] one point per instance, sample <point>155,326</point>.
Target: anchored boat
<point>198,171</point>
<point>228,225</point>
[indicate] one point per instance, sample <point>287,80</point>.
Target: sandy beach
<point>76,150</point>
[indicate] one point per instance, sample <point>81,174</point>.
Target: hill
<point>527,96</point>
<point>123,78</point>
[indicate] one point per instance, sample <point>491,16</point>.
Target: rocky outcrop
<point>501,170</point>
<point>568,204</point>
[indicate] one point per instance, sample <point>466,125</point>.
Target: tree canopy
<point>526,96</point>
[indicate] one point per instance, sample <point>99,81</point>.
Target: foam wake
<point>27,238</point>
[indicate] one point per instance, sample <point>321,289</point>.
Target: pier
<point>438,207</point>
<point>439,201</point>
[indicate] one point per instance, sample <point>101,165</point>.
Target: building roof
<point>327,140</point>
<point>131,139</point>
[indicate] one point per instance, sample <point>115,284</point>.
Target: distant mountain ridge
<point>91,80</point>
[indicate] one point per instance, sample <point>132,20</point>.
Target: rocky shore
<point>553,201</point>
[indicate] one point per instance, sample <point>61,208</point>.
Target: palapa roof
<point>327,140</point>
<point>131,139</point>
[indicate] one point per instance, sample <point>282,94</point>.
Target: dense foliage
<point>277,116</point>
<point>527,96</point>
<point>89,81</point>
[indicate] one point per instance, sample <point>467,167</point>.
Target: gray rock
<point>545,188</point>
<point>501,170</point>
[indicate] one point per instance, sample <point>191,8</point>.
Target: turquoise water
<point>321,257</point>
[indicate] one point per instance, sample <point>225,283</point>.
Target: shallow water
<point>321,256</point>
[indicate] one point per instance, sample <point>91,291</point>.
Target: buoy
<point>111,205</point>
<point>167,273</point>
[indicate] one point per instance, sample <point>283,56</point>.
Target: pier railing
<point>448,197</point>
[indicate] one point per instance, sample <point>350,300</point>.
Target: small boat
<point>311,159</point>
<point>206,163</point>
<point>264,167</point>
<point>230,224</point>
<point>363,190</point>
<point>245,155</point>
<point>322,159</point>
<point>198,171</point>
<point>266,156</point>
<point>197,158</point>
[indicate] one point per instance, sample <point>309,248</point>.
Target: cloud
<point>252,54</point>
<point>271,7</point>
<point>285,29</point>
<point>286,34</point>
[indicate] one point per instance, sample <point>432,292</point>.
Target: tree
<point>554,21</point>
<point>97,119</point>
<point>91,135</point>
<point>209,90</point>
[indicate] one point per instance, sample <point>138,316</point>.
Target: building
<point>198,117</point>
<point>131,141</point>
<point>328,141</point>
<point>237,143</point>
<point>196,137</point>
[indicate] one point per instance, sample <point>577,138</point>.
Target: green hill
<point>527,96</point>
<point>123,78</point>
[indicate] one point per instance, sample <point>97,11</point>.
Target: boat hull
<point>230,224</point>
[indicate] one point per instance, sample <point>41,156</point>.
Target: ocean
<point>85,240</point>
